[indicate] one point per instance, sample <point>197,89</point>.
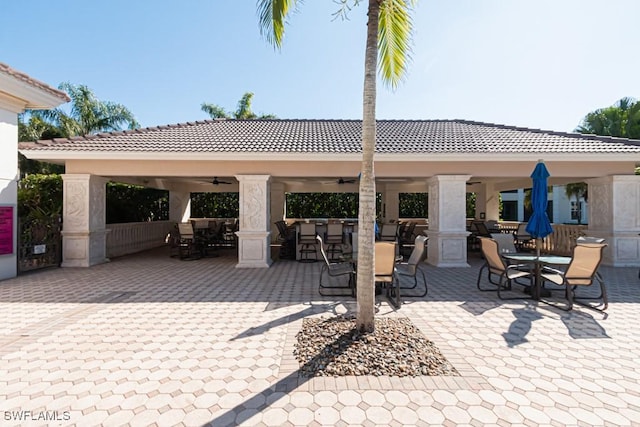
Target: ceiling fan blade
<point>216,181</point>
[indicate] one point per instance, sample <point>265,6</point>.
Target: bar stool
<point>307,238</point>
<point>334,238</point>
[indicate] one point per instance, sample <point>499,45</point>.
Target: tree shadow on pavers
<point>520,327</point>
<point>311,310</point>
<point>478,308</point>
<point>334,347</point>
<point>581,325</point>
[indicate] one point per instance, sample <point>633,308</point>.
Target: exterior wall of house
<point>562,212</point>
<point>8,193</point>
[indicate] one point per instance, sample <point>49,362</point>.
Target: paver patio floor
<point>152,340</point>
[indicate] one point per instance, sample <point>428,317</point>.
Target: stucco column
<point>488,201</point>
<point>614,214</point>
<point>391,200</point>
<point>447,232</point>
<point>254,250</point>
<point>277,208</point>
<point>83,226</point>
<point>179,206</point>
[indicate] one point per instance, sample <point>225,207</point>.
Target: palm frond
<point>394,38</point>
<point>214,111</point>
<point>272,16</point>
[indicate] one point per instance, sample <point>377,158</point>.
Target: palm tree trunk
<point>367,198</point>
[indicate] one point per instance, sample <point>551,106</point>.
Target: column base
<point>84,249</point>
<point>254,249</point>
<point>447,248</point>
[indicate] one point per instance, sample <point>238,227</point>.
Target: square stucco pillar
<point>614,214</point>
<point>84,236</point>
<point>277,208</point>
<point>391,207</point>
<point>254,241</point>
<point>179,206</point>
<point>488,201</point>
<point>447,232</point>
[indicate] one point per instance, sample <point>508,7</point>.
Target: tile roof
<point>338,136</point>
<point>5,69</point>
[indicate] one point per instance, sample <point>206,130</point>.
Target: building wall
<point>560,201</point>
<point>9,184</point>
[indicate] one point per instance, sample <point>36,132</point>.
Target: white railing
<point>132,237</point>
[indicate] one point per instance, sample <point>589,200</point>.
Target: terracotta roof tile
<point>339,136</point>
<point>4,68</point>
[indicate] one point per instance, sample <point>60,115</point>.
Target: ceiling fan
<point>346,181</point>
<point>216,181</point>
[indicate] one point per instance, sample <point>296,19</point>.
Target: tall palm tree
<point>89,115</point>
<point>622,119</point>
<point>243,111</point>
<point>388,35</point>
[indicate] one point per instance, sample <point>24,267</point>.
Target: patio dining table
<point>538,261</point>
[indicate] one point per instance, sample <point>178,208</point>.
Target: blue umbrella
<point>539,225</point>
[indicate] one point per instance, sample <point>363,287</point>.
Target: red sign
<point>6,230</point>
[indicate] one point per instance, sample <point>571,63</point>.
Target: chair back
<point>307,230</point>
<point>489,248</point>
<point>186,230</point>
<point>334,230</point>
<point>282,229</point>
<point>407,233</point>
<point>482,229</point>
<point>521,232</point>
<point>385,258</point>
<point>584,264</point>
<point>588,239</point>
<point>418,254</point>
<point>505,242</point>
<point>389,232</point>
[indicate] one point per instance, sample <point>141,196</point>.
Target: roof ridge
<point>4,68</point>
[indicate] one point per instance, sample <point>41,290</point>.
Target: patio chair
<point>506,243</point>
<point>581,272</point>
<point>287,239</point>
<point>522,237</point>
<point>389,232</point>
<point>335,269</point>
<point>190,245</point>
<point>412,266</point>
<point>307,238</point>
<point>385,271</point>
<point>406,237</point>
<point>334,239</point>
<point>507,274</point>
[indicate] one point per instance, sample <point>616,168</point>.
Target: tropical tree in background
<point>86,115</point>
<point>622,119</point>
<point>243,111</point>
<point>389,30</point>
<point>577,190</point>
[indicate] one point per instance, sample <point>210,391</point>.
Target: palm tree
<point>388,35</point>
<point>243,111</point>
<point>89,115</point>
<point>577,190</point>
<point>622,119</point>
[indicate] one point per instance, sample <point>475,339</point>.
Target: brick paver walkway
<point>151,340</point>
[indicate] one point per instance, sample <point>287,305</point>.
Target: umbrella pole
<point>536,287</point>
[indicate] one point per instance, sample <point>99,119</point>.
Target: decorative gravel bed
<point>334,347</point>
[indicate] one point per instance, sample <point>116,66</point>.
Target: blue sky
<point>539,64</point>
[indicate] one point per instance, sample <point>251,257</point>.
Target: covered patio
<point>265,159</point>
<point>150,339</point>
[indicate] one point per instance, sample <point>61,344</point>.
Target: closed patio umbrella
<point>539,225</point>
